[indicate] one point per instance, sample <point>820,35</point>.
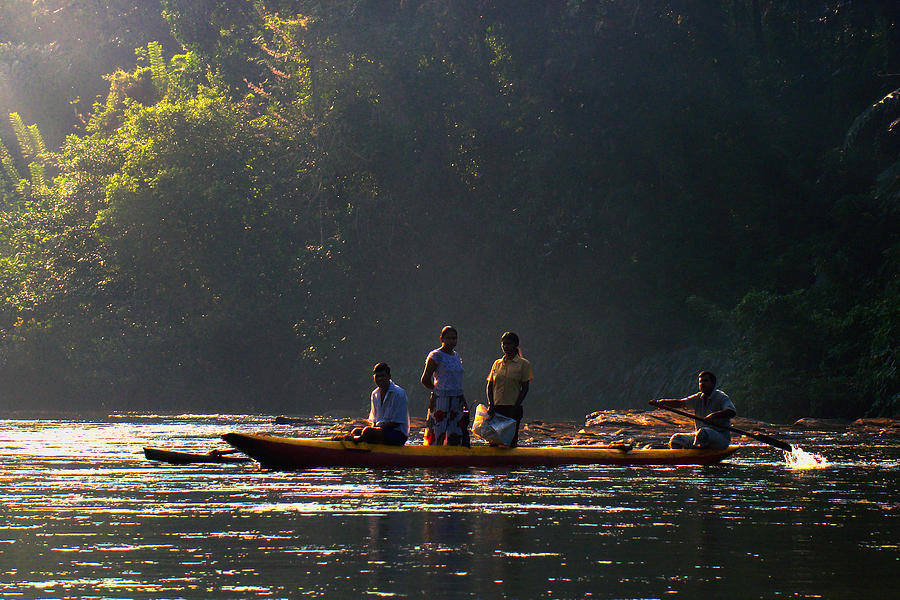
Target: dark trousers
<point>513,412</point>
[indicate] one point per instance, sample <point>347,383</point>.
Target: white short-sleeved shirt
<point>717,400</point>
<point>448,375</point>
<point>393,408</point>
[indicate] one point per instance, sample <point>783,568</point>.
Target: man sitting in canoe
<point>388,415</point>
<point>711,404</point>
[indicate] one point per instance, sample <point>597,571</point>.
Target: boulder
<point>821,424</point>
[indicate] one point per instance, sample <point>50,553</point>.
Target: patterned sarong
<point>447,421</point>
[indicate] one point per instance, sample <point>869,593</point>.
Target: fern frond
<point>8,166</point>
<point>888,105</point>
<point>37,140</point>
<point>158,67</point>
<point>37,176</point>
<point>25,142</point>
<point>887,187</point>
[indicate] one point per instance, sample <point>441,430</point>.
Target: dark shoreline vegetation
<point>267,198</point>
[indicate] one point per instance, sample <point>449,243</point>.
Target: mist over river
<point>84,515</point>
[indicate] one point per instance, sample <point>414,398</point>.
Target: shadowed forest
<point>210,205</point>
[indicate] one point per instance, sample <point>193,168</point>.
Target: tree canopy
<point>266,198</point>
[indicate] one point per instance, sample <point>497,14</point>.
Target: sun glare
<point>801,459</point>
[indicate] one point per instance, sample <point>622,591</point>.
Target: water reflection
<point>83,514</point>
<point>801,459</point>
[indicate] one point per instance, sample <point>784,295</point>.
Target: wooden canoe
<point>182,458</point>
<point>297,453</point>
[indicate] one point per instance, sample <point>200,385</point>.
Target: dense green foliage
<point>639,189</point>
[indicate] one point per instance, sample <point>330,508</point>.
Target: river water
<point>84,515</point>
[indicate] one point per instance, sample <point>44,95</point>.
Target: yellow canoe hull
<point>300,453</point>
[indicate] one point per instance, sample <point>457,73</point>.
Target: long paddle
<point>765,439</point>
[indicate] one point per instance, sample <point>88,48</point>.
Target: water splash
<point>798,458</point>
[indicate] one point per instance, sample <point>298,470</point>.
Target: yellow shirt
<point>507,376</point>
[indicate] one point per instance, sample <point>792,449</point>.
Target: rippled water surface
<point>84,515</point>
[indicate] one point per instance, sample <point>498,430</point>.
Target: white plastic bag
<point>496,428</point>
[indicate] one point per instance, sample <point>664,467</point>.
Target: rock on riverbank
<point>653,427</point>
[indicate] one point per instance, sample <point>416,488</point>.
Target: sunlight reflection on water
<point>83,514</point>
<point>800,459</point>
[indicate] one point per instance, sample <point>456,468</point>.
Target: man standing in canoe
<point>388,415</point>
<point>710,404</point>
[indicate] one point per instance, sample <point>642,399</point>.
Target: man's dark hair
<point>382,367</point>
<point>448,329</point>
<point>511,337</point>
<point>709,374</point>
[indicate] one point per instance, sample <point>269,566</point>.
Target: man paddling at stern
<point>711,404</point>
<point>388,415</point>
